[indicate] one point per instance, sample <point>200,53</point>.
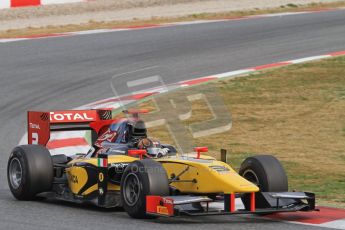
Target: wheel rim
<point>15,173</point>
<point>132,189</point>
<point>251,176</point>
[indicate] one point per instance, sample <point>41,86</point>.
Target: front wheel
<point>142,178</point>
<point>266,172</point>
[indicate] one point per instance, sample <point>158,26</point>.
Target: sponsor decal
<point>162,210</point>
<point>220,169</point>
<point>102,162</point>
<point>73,116</point>
<point>119,167</point>
<point>72,178</point>
<point>34,126</point>
<point>167,201</point>
<point>108,136</point>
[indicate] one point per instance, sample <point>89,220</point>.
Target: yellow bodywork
<point>77,176</point>
<point>208,174</point>
<point>205,175</point>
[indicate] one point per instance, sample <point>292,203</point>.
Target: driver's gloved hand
<point>164,151</point>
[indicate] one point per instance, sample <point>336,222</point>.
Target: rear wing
<point>41,124</point>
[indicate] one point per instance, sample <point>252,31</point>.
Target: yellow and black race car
<point>125,168</point>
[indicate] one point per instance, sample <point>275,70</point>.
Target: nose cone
<point>224,180</point>
<point>237,184</point>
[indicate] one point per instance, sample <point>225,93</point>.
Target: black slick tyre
<point>142,178</point>
<point>266,172</point>
<point>29,171</point>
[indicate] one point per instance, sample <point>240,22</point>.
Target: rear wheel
<point>142,178</point>
<point>29,171</point>
<point>266,172</point>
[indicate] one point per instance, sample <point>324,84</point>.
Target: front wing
<point>257,203</point>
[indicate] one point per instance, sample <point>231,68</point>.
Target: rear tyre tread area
<point>36,171</point>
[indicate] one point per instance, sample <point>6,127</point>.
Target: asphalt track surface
<point>68,72</point>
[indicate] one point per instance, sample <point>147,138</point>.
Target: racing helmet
<point>152,146</point>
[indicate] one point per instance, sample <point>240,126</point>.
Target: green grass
<point>295,113</point>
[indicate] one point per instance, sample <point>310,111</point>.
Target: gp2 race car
<point>116,172</point>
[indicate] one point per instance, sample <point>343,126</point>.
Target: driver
<point>153,147</point>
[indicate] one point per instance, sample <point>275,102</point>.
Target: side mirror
<point>200,150</point>
<point>137,152</point>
